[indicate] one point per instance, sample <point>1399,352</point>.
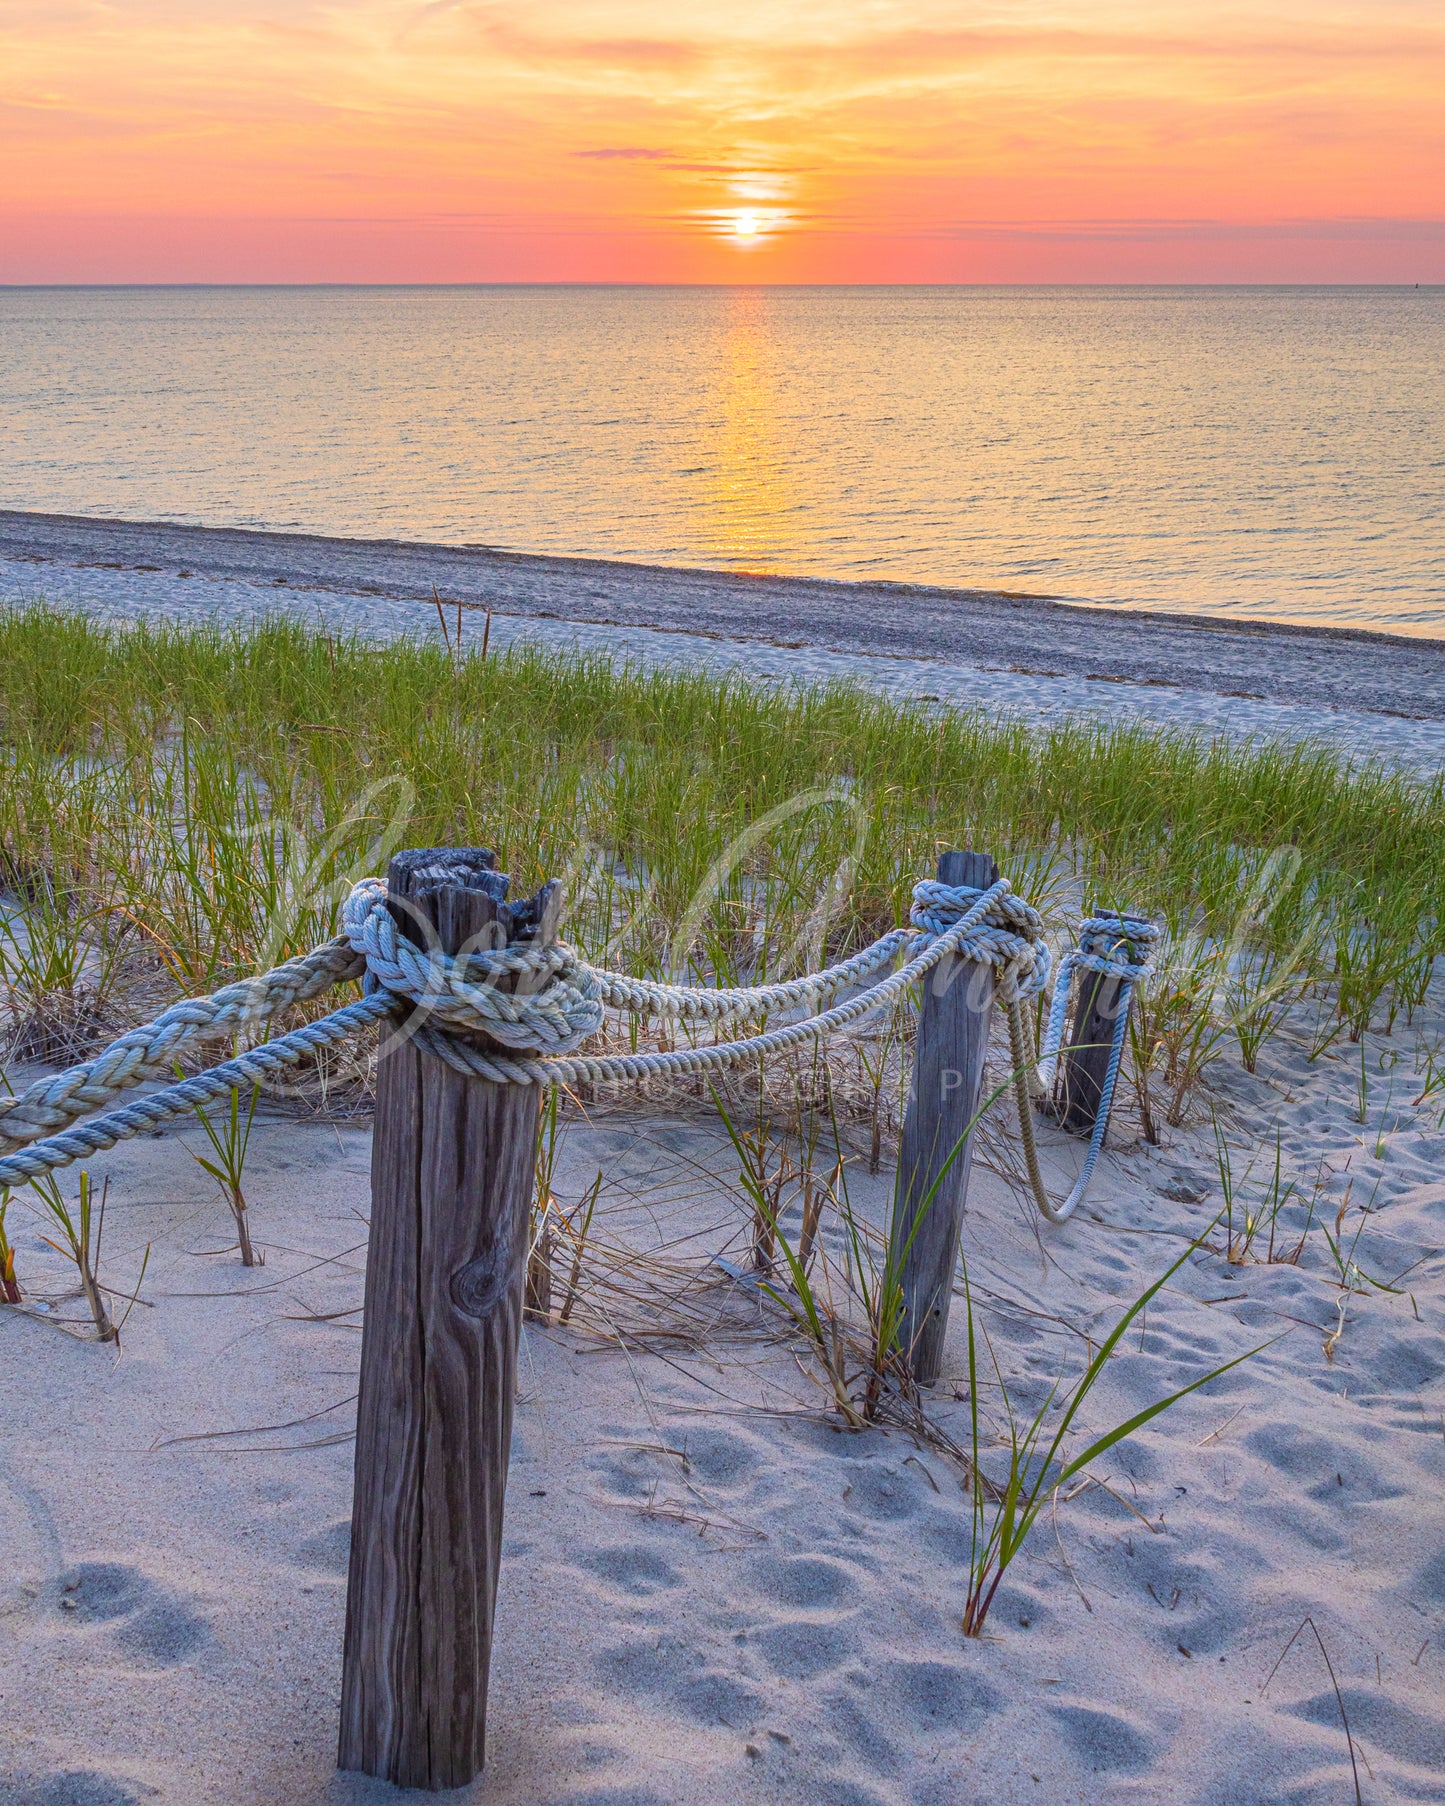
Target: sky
<point>744,141</point>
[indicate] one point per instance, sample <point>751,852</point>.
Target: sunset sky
<point>757,140</point>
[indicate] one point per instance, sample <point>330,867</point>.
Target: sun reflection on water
<point>743,513</point>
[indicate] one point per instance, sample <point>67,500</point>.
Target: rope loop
<point>1118,946</point>
<point>1102,936</point>
<point>556,1007</point>
<point>1009,937</point>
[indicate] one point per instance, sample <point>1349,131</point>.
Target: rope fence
<point>480,1009</point>
<point>533,1032</point>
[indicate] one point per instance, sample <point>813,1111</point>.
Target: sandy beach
<point>713,1592</point>
<point>722,904</point>
<point>1373,694</point>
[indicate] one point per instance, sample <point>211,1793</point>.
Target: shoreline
<point>25,525</point>
<point>1368,694</point>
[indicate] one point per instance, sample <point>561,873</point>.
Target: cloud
<point>1117,124</point>
<point>628,153</point>
<point>640,55</point>
<point>1366,228</point>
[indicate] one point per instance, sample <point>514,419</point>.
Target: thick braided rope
<point>149,1112</point>
<point>936,908</point>
<point>990,925</point>
<point>970,934</point>
<point>460,993</point>
<point>50,1103</point>
<point>566,1008</point>
<point>1101,939</point>
<point>644,997</point>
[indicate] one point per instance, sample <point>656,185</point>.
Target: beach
<point>722,905</point>
<point>1365,693</point>
<point>710,1591</point>
<point>713,1590</point>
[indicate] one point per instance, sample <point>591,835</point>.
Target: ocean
<point>1274,453</point>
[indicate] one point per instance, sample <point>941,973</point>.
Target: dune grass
<point>182,805</point>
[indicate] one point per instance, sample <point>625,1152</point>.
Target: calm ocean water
<point>1265,452</point>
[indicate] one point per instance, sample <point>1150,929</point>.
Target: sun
<point>747,226</point>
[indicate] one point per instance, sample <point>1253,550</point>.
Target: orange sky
<point>824,140</point>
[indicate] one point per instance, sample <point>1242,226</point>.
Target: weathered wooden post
<point>451,1180</point>
<point>1084,1057</point>
<point>953,1027</point>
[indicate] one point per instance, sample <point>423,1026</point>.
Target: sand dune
<point>713,1594</point>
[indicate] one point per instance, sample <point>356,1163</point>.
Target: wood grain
<point>452,1177</point>
<point>1079,1083</point>
<point>953,1029</point>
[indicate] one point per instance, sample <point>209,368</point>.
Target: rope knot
<point>555,1006</point>
<point>998,929</point>
<point>1117,944</point>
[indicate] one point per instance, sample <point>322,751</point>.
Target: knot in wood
<point>478,1287</point>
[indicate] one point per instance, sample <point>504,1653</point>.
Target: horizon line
<point>563,282</point>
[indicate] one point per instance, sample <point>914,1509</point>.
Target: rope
<point>553,1003</point>
<point>562,1003</point>
<point>991,925</point>
<point>149,1112</point>
<point>1021,962</point>
<point>1101,939</point>
<point>51,1102</point>
<point>557,1005</point>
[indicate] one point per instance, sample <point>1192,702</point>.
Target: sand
<point>1371,694</point>
<point>711,1593</point>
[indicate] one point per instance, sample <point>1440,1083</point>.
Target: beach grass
<point>181,805</point>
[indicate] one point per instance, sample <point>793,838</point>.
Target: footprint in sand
<point>612,1796</point>
<point>1402,1364</point>
<point>881,1495</point>
<point>835,1792</point>
<point>629,1475</point>
<point>797,1651</point>
<point>328,1549</point>
<point>1106,1740</point>
<point>1426,1586</point>
<point>846,1715</point>
<point>941,1696</point>
<point>98,1591</point>
<point>74,1787</point>
<point>806,1582</point>
<point>150,1624</point>
<point>1331,1471</point>
<point>719,1459</point>
<point>631,1569</point>
<point>1384,1723</point>
<point>677,1677</point>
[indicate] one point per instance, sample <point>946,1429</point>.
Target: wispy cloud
<point>1057,123</point>
<point>627,153</point>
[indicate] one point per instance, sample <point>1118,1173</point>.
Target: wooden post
<point>451,1179</point>
<point>1079,1082</point>
<point>953,1027</point>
